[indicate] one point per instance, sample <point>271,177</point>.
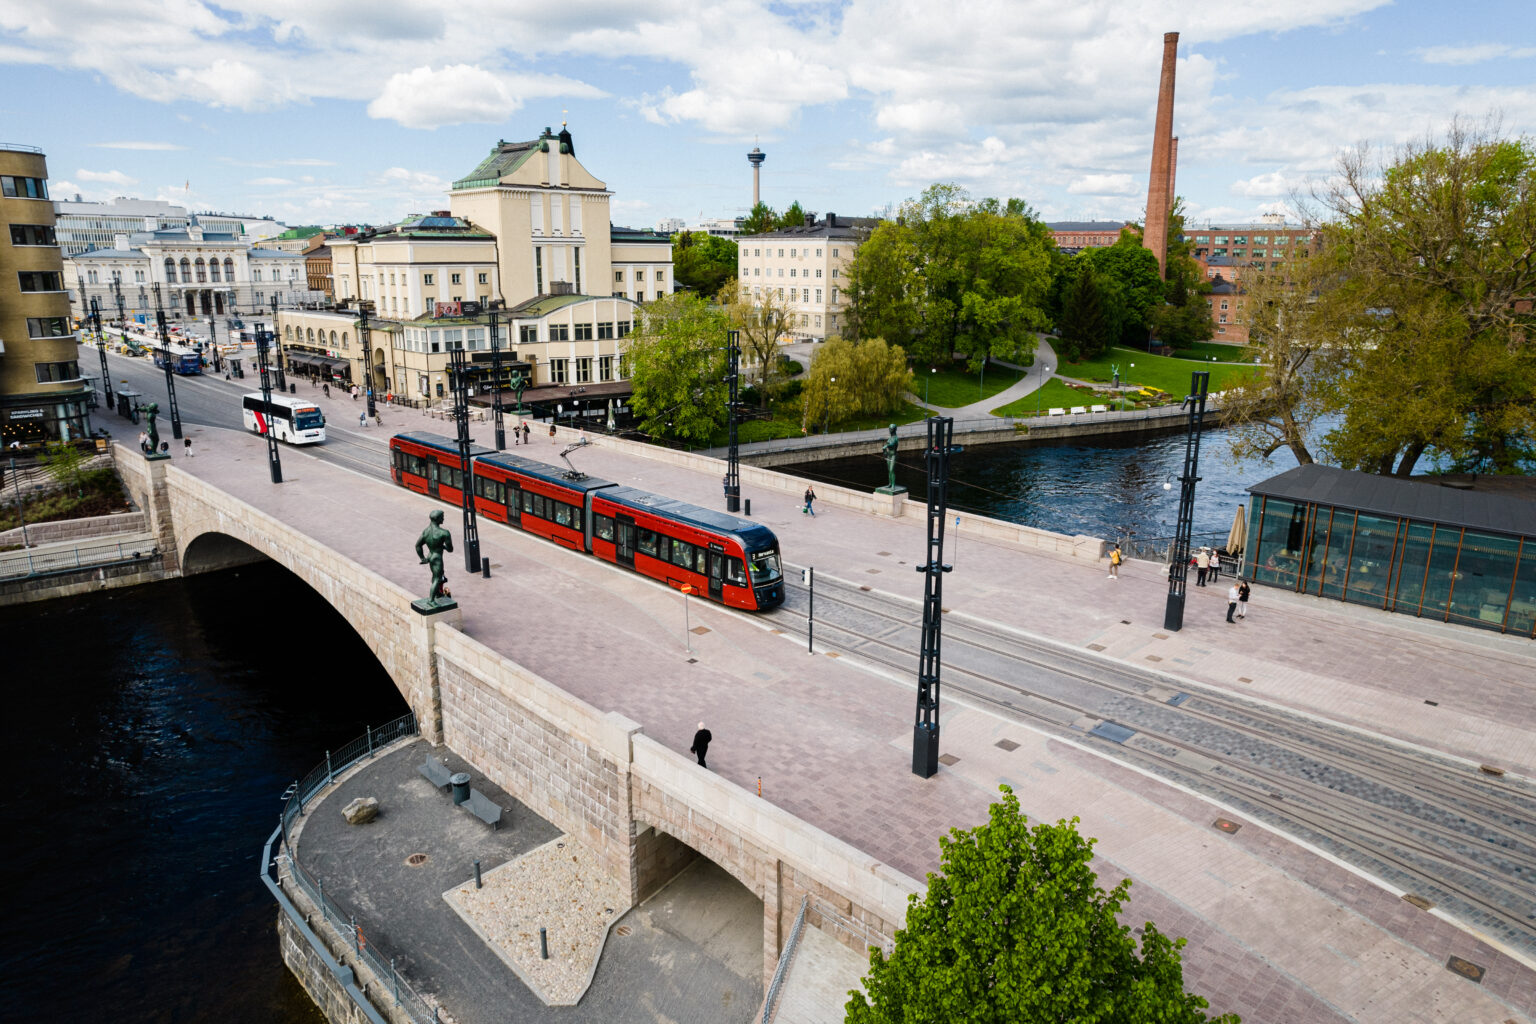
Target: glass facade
<point>1432,570</point>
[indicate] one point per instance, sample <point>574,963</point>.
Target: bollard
<point>478,885</point>
<point>759,785</point>
<point>485,568</point>
<point>747,505</point>
<point>543,944</point>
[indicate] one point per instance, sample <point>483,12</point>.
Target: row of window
<point>54,372</point>
<point>40,280</point>
<point>1279,240</point>
<point>33,234</point>
<point>658,276</point>
<point>758,272</point>
<point>793,253</point>
<point>559,370</point>
<point>16,187</point>
<point>794,294</point>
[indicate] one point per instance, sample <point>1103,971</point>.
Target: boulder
<point>361,811</point>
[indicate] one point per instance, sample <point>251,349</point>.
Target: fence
<point>1156,549</point>
<point>345,925</point>
<point>788,954</point>
<point>28,562</point>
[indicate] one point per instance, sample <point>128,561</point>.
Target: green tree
<point>1432,312</point>
<point>676,360</point>
<point>854,378</point>
<point>1014,929</point>
<point>1087,325</point>
<point>760,220</point>
<point>1132,268</point>
<point>885,290</point>
<point>794,216</point>
<point>702,262</point>
<point>761,320</point>
<point>65,463</point>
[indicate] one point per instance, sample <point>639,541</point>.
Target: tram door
<point>432,477</point>
<point>625,540</point>
<point>716,572</point>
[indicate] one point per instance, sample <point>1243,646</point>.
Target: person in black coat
<point>701,744</point>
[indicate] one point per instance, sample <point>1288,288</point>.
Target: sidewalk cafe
<point>1457,550</point>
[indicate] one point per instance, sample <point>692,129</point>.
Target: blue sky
<point>324,111</point>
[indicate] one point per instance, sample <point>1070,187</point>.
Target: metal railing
<point>364,952</point>
<point>1155,549</point>
<point>782,970</point>
<point>27,563</point>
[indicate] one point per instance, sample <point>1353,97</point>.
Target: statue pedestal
<point>890,500</point>
<point>422,606</point>
<point>156,457</point>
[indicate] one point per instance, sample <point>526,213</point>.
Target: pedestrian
<point>810,496</point>
<point>355,392</point>
<point>701,744</point>
<point>143,441</point>
<point>362,419</point>
<point>187,444</point>
<point>581,436</point>
<point>1114,562</point>
<point>326,389</point>
<point>527,433</point>
<point>1202,566</point>
<point>1242,599</point>
<point>552,432</point>
<point>1233,596</point>
<point>377,418</point>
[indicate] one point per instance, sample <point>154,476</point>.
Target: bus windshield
<point>764,566</point>
<point>308,419</point>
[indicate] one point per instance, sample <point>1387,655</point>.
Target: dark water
<point>151,733</point>
<point>1109,489</point>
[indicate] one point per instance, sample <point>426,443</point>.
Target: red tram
<point>731,560</point>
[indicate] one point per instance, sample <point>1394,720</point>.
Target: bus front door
<point>624,543</point>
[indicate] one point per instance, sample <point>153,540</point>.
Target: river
<point>1108,489</point>
<point>154,731</point>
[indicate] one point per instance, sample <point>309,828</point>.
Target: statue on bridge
<point>152,448</point>
<point>889,451</point>
<point>518,384</point>
<point>435,540</point>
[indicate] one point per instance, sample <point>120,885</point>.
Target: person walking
<point>1114,562</point>
<point>355,392</point>
<point>527,433</point>
<point>1202,566</point>
<point>1242,599</point>
<point>810,496</point>
<point>1232,598</point>
<point>362,419</point>
<point>187,444</point>
<point>325,389</point>
<point>701,741</point>
<point>552,433</point>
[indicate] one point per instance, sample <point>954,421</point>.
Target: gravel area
<point>559,886</point>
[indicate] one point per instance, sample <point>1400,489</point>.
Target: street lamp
<point>1045,376</point>
<point>931,371</point>
<point>826,406</point>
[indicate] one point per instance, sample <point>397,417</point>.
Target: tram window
<point>450,476</point>
<point>734,572</point>
<point>528,497</point>
<point>647,542</point>
<point>602,526</point>
<point>488,489</point>
<point>415,465</point>
<point>682,554</point>
<point>565,514</point>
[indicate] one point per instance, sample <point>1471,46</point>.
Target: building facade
<point>92,225</point>
<point>805,268</point>
<point>1227,253</point>
<point>43,396</point>
<point>1073,236</point>
<point>198,274</point>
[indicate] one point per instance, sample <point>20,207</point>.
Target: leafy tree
<point>1432,313</point>
<point>760,220</point>
<point>1015,929</point>
<point>702,262</point>
<point>854,378</point>
<point>760,320</point>
<point>885,290</point>
<point>676,359</point>
<point>794,216</point>
<point>1087,325</point>
<point>1132,268</point>
<point>65,463</point>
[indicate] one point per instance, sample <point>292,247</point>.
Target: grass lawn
<point>1058,394</point>
<point>1223,353</point>
<point>950,389</point>
<point>1165,372</point>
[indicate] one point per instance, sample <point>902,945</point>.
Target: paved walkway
<point>1034,377</point>
<point>1276,933</point>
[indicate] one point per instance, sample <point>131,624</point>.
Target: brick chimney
<point>1160,180</point>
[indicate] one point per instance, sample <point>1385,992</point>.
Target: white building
<point>804,267</point>
<point>670,225</point>
<point>200,273</point>
<point>89,225</point>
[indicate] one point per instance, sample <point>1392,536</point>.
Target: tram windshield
<point>764,566</point>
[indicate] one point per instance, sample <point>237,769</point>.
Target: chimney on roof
<point>831,220</point>
<point>810,220</point>
<point>120,242</point>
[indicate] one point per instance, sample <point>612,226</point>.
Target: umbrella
<point>1237,538</point>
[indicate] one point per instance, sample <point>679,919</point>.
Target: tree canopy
<point>1014,929</point>
<point>702,262</point>
<point>676,358</point>
<point>854,378</point>
<point>1088,324</point>
<point>763,219</point>
<point>760,321</point>
<point>953,276</point>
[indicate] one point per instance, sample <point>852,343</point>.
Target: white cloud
<point>106,177</point>
<point>148,146</point>
<point>1474,54</point>
<point>1106,185</point>
<point>463,93</point>
<point>270,181</point>
<point>1275,183</point>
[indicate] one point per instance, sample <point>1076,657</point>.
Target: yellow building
<point>43,396</point>
<point>804,267</point>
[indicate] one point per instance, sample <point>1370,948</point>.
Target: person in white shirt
<point>1232,596</point>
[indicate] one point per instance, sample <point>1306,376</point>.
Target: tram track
<point>1461,841</point>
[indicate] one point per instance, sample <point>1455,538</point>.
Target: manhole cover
<point>1229,827</point>
<point>1006,745</point>
<point>1466,968</point>
<point>622,930</point>
<point>416,860</point>
<point>948,759</point>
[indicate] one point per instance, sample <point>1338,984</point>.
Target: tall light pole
<point>274,463</point>
<point>732,458</point>
<point>101,348</point>
<point>826,406</point>
<point>459,379</point>
<point>925,730</point>
<point>1178,572</point>
<point>931,371</point>
<point>365,338</point>
<point>501,430</point>
<point>277,337</point>
<point>1044,376</point>
<point>170,366</point>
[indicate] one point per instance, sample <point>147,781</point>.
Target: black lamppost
<point>101,348</point>
<point>213,343</point>
<point>277,338</point>
<point>925,731</point>
<point>458,378</point>
<point>501,430</point>
<point>732,412</point>
<point>170,366</point>
<point>274,463</point>
<point>1178,572</point>
<point>365,339</point>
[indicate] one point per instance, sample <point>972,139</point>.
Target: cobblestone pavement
<point>1276,933</point>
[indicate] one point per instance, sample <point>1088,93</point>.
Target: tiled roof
<point>112,254</point>
<point>504,159</point>
<point>1413,498</point>
<point>830,226</point>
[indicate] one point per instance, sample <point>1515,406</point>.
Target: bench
<point>436,772</point>
<point>1054,411</point>
<point>1100,408</point>
<point>1078,410</point>
<point>481,807</point>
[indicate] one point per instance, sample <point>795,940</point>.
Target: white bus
<point>295,420</point>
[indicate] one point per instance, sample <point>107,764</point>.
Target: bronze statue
<point>150,412</point>
<point>436,540</point>
<point>889,449</point>
<point>519,384</point>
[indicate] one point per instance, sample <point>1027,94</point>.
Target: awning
<point>300,359</point>
<point>332,364</point>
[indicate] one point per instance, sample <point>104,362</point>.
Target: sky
<point>336,111</point>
